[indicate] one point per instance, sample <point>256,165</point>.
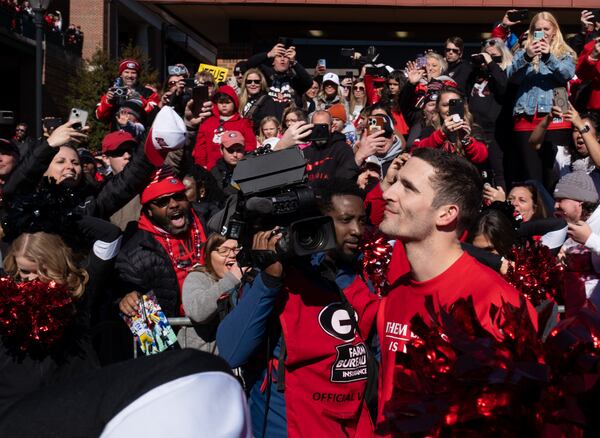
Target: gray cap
<point>577,186</point>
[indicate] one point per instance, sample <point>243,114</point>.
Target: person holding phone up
<point>456,133</point>
<point>546,63</point>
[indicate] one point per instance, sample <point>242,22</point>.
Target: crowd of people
<point>18,16</point>
<point>436,180</point>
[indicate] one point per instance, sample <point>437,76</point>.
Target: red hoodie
<point>207,150</point>
<point>588,70</point>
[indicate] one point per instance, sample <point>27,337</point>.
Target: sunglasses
<point>449,50</point>
<point>171,83</point>
<point>346,87</point>
<point>119,152</point>
<point>234,150</point>
<point>253,81</point>
<point>356,88</point>
<point>164,201</point>
<point>491,42</point>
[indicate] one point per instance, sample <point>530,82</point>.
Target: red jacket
<point>207,150</point>
<point>588,70</point>
<point>475,151</point>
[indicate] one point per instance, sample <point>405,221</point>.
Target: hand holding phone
<point>199,96</point>
<point>456,109</point>
<point>79,116</point>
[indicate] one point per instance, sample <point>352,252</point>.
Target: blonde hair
<point>506,54</point>
<point>440,59</point>
<point>54,259</point>
<point>261,138</point>
<point>244,93</point>
<point>558,47</point>
<point>354,101</point>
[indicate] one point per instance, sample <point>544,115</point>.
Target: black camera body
<point>274,193</point>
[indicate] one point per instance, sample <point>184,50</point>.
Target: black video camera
<point>274,193</point>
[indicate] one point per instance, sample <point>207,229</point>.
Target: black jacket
<point>284,87</point>
<point>332,160</point>
<point>222,174</point>
<point>113,195</point>
<point>460,71</point>
<point>143,265</point>
<point>485,103</point>
<point>261,106</point>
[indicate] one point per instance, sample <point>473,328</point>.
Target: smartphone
<point>519,15</point>
<point>52,122</point>
<point>456,106</point>
<point>538,35</point>
<point>596,13</point>
<point>284,41</point>
<point>349,52</point>
<point>375,123</point>
<point>80,116</point>
<point>319,133</point>
<point>322,63</point>
<point>189,83</point>
<point>421,61</point>
<point>561,99</point>
<point>477,59</point>
<point>199,95</point>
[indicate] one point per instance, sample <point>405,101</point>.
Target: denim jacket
<point>536,88</point>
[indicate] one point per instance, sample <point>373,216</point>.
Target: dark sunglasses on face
<point>448,50</point>
<point>172,83</point>
<point>118,152</point>
<point>359,88</point>
<point>253,81</point>
<point>234,150</point>
<point>491,42</point>
<point>164,201</point>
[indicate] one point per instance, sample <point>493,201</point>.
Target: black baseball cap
<point>7,147</point>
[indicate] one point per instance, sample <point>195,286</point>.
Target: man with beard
<point>167,244</point>
<point>296,330</point>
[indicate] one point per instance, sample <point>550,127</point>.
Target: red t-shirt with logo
<point>466,277</point>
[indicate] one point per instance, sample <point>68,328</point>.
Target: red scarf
<point>184,251</point>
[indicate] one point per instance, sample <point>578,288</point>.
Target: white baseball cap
<point>331,77</point>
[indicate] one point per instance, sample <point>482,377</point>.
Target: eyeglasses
<point>490,42</point>
<point>253,81</point>
<point>171,83</point>
<point>449,50</point>
<point>357,88</point>
<point>165,200</point>
<point>226,251</point>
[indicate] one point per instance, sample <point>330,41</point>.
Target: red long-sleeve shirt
<point>475,151</point>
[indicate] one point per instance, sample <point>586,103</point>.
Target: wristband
<point>466,141</point>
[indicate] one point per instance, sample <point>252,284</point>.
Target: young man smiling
<point>432,202</point>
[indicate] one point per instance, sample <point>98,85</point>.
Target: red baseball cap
<point>114,140</point>
<point>229,138</point>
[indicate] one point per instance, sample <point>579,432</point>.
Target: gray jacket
<point>199,296</point>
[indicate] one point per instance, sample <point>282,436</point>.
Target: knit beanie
<point>338,111</point>
<point>130,64</point>
<point>135,106</point>
<point>577,186</point>
<point>163,183</point>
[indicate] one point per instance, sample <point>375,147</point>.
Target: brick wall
<point>90,15</point>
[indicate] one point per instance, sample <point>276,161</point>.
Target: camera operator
<point>305,386</point>
<point>126,87</point>
<point>286,77</point>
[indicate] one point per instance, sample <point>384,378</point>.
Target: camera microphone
<point>259,205</point>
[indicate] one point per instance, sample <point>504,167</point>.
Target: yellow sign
<point>219,73</point>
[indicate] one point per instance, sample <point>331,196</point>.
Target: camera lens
<point>310,238</point>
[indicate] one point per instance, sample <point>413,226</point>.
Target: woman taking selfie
<point>208,290</point>
<point>543,68</point>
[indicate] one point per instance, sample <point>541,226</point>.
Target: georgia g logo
<point>335,321</point>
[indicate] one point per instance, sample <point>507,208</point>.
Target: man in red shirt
<point>434,198</point>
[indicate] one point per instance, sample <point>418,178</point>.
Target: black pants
<point>539,165</point>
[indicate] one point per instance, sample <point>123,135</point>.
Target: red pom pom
<point>377,253</point>
<point>34,314</point>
